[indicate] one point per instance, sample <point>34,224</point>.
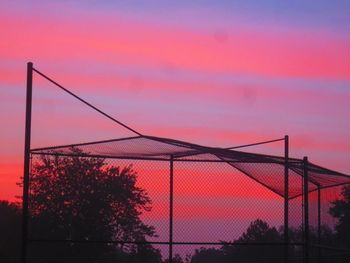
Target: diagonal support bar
<point>86,103</point>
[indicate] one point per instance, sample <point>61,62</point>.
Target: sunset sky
<point>220,73</point>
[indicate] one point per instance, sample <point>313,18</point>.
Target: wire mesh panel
<point>157,200</point>
<point>213,202</point>
<point>237,252</point>
<point>295,202</point>
<point>325,220</point>
<point>121,208</point>
<point>97,207</point>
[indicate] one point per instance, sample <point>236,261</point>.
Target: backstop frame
<point>26,177</point>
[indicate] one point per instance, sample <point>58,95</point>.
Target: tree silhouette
<point>176,259</point>
<point>145,253</point>
<point>259,231</point>
<point>208,255</point>
<point>10,227</point>
<point>244,249</point>
<point>340,209</point>
<point>142,253</point>
<point>85,199</point>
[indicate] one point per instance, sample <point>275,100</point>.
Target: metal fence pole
<point>306,211</point>
<point>26,169</point>
<point>319,223</point>
<point>286,196</point>
<point>171,209</point>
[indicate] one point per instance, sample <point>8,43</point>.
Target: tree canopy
<point>85,199</point>
<point>258,231</point>
<point>340,209</point>
<point>10,227</point>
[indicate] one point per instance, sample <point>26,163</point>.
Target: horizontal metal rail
<point>165,242</point>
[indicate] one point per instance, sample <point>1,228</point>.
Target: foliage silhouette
<point>257,232</point>
<point>145,253</point>
<point>208,255</point>
<point>10,235</point>
<point>176,259</point>
<point>141,253</point>
<point>84,199</point>
<point>340,209</point>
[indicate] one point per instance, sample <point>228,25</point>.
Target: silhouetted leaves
<point>340,209</point>
<point>78,200</point>
<point>208,255</point>
<point>84,199</point>
<point>176,259</point>
<point>10,232</point>
<point>247,248</point>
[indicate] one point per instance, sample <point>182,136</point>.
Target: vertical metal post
<point>319,223</point>
<point>286,200</point>
<point>26,162</point>
<point>171,209</point>
<point>306,211</point>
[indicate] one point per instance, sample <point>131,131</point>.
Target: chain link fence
<point>156,200</point>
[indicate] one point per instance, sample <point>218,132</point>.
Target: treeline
<point>86,199</point>
<point>262,243</point>
<point>244,249</point>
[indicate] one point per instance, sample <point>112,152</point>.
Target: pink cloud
<point>9,176</point>
<point>121,40</point>
<point>125,41</point>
